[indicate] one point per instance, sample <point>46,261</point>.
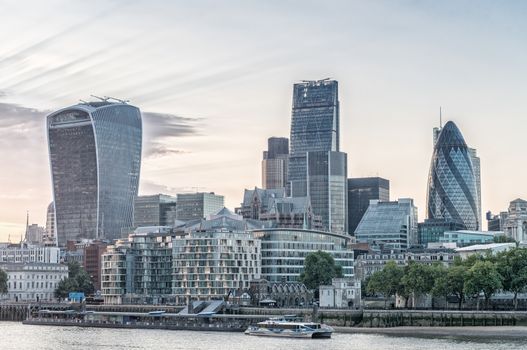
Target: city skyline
<point>219,83</point>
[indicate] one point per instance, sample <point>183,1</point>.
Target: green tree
<point>455,282</point>
<point>512,267</point>
<point>387,281</point>
<point>78,280</point>
<point>3,282</point>
<point>418,279</point>
<point>440,286</point>
<point>319,269</point>
<point>482,277</point>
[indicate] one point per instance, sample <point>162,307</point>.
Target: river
<point>14,335</point>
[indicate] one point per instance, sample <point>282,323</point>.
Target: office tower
<point>95,156</point>
<point>496,222</point>
<point>50,225</point>
<point>389,225</point>
<point>360,192</point>
<point>326,187</point>
<point>452,184</point>
<point>192,206</point>
<point>154,210</point>
<point>314,127</point>
<point>477,172</point>
<point>35,234</point>
<point>275,162</point>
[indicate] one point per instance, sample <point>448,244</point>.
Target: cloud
<point>156,149</point>
<point>164,125</point>
<point>17,118</point>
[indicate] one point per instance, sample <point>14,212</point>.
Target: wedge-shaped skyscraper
<point>95,157</point>
<point>452,182</point>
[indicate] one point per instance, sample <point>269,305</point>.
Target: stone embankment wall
<point>13,312</point>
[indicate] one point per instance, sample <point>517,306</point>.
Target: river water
<point>17,336</point>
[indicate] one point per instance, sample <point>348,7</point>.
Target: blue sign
<point>76,297</point>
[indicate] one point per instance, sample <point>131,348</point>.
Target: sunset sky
<point>214,80</point>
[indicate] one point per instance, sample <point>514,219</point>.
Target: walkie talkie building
<point>452,183</point>
<point>95,158</point>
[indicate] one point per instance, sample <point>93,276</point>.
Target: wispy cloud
<point>14,116</point>
<point>161,125</point>
<point>156,150</point>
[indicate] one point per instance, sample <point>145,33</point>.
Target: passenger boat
<point>291,329</point>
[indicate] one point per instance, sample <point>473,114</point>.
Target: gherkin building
<point>452,186</point>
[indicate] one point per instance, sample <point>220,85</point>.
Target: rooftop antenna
<point>116,99</point>
<point>82,101</point>
<point>440,118</point>
<point>103,99</point>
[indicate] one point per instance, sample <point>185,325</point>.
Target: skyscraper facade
<point>275,163</point>
<point>360,192</point>
<point>314,127</point>
<point>327,188</point>
<point>476,164</point>
<point>452,183</point>
<point>389,225</point>
<point>95,156</point>
<point>154,210</point>
<point>193,206</point>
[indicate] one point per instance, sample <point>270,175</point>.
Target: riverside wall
<point>334,317</point>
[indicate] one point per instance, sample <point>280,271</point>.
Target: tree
<point>78,281</point>
<point>319,269</point>
<point>386,281</point>
<point>512,267</point>
<point>418,279</point>
<point>455,283</point>
<point>3,282</point>
<point>439,286</point>
<point>482,277</point>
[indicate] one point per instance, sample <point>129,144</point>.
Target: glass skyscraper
<point>274,163</point>
<point>452,182</point>
<point>360,192</point>
<point>327,188</point>
<point>95,158</point>
<point>314,127</point>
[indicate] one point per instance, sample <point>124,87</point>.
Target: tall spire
<point>440,119</point>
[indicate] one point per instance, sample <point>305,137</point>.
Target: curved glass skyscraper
<point>452,184</point>
<point>95,156</point>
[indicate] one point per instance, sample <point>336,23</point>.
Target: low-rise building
<point>444,256</point>
<point>284,251</point>
<point>463,238</point>
<point>26,253</point>
<point>492,248</point>
<point>33,281</point>
<point>367,264</point>
<point>342,293</point>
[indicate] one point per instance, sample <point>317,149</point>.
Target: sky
<point>214,80</point>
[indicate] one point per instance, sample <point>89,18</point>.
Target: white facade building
<point>33,281</point>
<point>27,253</point>
<point>342,293</point>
